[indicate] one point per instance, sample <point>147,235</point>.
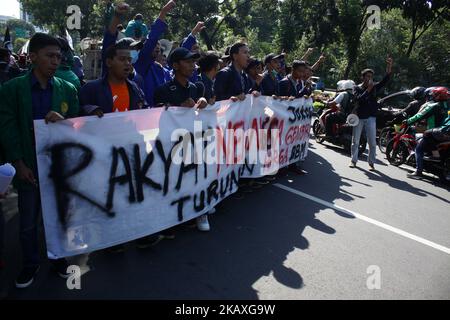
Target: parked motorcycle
<point>342,133</point>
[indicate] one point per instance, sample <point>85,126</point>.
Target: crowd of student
<point>136,74</point>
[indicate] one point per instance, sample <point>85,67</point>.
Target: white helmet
<point>343,85</point>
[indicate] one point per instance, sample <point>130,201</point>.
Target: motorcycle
<point>401,149</point>
<point>342,132</point>
<point>388,132</point>
<point>401,146</point>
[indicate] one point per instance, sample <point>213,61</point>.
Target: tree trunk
<point>412,42</point>
<point>207,39</point>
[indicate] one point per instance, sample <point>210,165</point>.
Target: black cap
<point>130,44</point>
<point>182,54</point>
<point>272,56</point>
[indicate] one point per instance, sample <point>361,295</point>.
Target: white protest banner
<point>110,180</point>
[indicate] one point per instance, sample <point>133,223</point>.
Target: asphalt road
<point>334,233</point>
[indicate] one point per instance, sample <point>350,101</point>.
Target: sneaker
<point>352,164</point>
<point>26,277</point>
<point>117,249</point>
<point>415,174</point>
<point>212,211</point>
<point>60,266</point>
<point>371,167</point>
<point>149,241</point>
<point>202,223</point>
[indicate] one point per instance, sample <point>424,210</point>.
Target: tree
<point>52,13</point>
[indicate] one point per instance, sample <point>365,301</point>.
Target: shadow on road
<point>250,239</point>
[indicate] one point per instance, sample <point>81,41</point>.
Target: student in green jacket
<point>36,95</point>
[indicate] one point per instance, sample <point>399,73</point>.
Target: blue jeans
<point>371,131</point>
<point>29,208</point>
<point>420,152</point>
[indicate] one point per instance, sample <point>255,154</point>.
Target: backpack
<point>349,105</point>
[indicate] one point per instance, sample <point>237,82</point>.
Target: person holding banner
<point>269,84</point>
<point>291,86</point>
<point>114,92</point>
<point>181,92</point>
<point>232,82</point>
<point>34,96</point>
<point>209,66</point>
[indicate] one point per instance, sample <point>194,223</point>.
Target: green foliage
<point>415,33</point>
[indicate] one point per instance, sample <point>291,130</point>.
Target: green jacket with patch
<point>434,112</point>
<point>16,118</point>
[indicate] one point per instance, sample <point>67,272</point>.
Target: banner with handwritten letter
<point>110,180</point>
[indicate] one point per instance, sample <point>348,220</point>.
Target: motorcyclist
<point>343,101</point>
<point>436,114</point>
<point>419,96</point>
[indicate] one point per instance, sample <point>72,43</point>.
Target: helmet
<point>440,94</point>
<point>418,93</point>
<point>343,85</point>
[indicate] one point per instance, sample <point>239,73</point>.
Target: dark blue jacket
<point>98,93</point>
<point>228,83</point>
<point>208,84</point>
<point>269,86</point>
<point>288,87</point>
<point>153,73</point>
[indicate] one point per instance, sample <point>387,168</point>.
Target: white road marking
<point>364,218</point>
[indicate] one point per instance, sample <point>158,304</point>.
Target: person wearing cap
<point>269,84</point>
<point>367,107</point>
<point>209,67</point>
<point>36,95</point>
<point>136,28</point>
<point>180,91</point>
<point>232,82</point>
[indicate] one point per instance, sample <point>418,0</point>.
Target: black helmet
<point>418,93</point>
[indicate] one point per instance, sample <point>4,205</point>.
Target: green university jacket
<point>16,118</point>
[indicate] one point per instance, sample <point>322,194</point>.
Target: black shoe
<point>149,241</point>
<point>60,266</point>
<point>117,249</point>
<point>26,277</point>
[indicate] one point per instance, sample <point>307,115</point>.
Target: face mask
<point>134,56</point>
<point>274,73</point>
